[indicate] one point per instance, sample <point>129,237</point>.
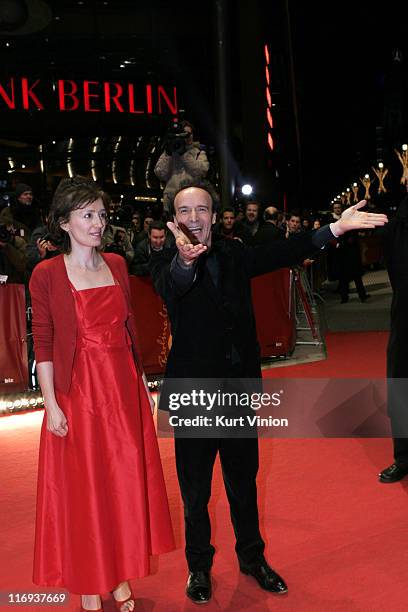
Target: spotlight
<point>246,189</point>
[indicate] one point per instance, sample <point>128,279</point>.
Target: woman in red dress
<point>101,506</point>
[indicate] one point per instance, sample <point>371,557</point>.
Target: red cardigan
<point>54,318</point>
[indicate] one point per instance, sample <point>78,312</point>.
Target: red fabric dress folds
<point>101,505</point>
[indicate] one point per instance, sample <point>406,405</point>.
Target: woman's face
<point>86,225</point>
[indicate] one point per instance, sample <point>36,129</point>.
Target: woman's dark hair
<point>71,194</point>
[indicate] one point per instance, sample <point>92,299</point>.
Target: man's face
<point>337,209</point>
<point>294,224</point>
<point>136,223</point>
<point>157,239</point>
<point>147,222</point>
<point>193,207</point>
<point>188,130</point>
<point>228,220</point>
<point>26,198</point>
<point>251,213</point>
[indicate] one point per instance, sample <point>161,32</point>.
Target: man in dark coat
<point>396,259</point>
<point>269,230</point>
<point>207,290</point>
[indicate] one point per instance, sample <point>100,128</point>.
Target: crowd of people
<point>135,231</point>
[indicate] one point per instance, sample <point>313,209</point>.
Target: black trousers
<point>239,461</point>
<point>400,450</point>
<point>344,287</point>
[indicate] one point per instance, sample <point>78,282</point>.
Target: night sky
<point>343,57</point>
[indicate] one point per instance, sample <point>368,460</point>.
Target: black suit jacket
<point>212,318</point>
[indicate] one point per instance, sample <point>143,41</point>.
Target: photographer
<point>41,246</point>
<point>25,210</point>
<point>182,160</point>
<point>12,250</point>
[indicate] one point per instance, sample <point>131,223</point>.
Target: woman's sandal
<point>120,602</point>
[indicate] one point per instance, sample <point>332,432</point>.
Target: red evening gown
<point>102,506</point>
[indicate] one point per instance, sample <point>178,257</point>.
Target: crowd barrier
<point>274,312</point>
<point>13,339</point>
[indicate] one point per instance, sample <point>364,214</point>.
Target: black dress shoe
<point>198,587</point>
<point>267,578</point>
<point>393,473</point>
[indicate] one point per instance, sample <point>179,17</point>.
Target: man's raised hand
<point>353,218</point>
<point>188,252</point>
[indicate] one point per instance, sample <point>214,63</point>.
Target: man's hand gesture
<point>187,251</point>
<point>353,218</point>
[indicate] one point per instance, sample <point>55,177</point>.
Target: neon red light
<point>87,96</point>
<point>267,75</point>
<point>269,117</point>
<point>266,54</point>
<point>268,97</point>
<point>270,142</point>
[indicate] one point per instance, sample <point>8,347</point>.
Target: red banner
<point>152,324</point>
<point>13,335</point>
<point>274,313</point>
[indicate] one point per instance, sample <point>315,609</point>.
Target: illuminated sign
<point>66,95</point>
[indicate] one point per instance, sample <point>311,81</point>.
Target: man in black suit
<point>396,260</point>
<point>207,291</point>
<point>269,230</point>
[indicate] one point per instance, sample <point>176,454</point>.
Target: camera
<point>6,235</point>
<point>56,242</point>
<point>175,140</point>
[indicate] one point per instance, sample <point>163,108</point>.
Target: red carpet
<point>338,537</point>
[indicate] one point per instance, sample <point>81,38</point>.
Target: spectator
<point>317,224</point>
<point>148,220</point>
<point>350,266</point>
<point>337,210</point>
<point>306,224</point>
<point>269,230</point>
<point>252,219</point>
<point>155,241</point>
<point>26,214</point>
<point>13,257</point>
<point>116,240</point>
<point>181,160</point>
<point>293,224</point>
<point>229,228</point>
<point>135,231</point>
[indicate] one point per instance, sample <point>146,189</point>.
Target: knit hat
<point>21,188</point>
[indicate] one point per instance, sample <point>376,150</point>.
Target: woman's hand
<point>56,421</point>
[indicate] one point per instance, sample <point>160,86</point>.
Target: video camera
<point>6,235</point>
<point>175,140</point>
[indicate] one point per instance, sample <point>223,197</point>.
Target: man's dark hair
<point>227,209</point>
<point>294,213</point>
<point>157,225</point>
<point>200,184</point>
<point>185,124</point>
<point>71,194</point>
